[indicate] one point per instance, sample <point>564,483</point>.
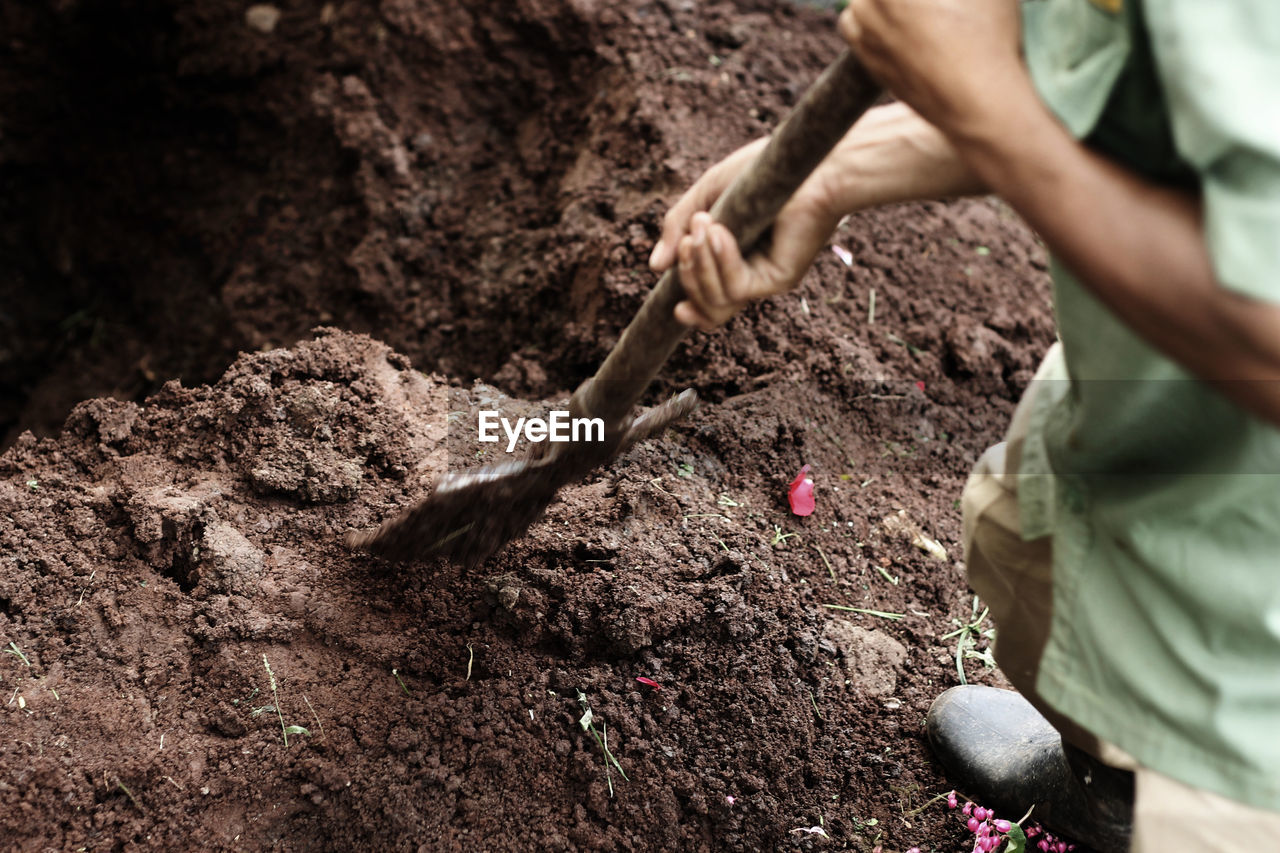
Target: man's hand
<point>891,155</point>
<point>951,60</point>
<point>717,279</point>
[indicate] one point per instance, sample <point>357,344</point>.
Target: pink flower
<point>800,493</point>
<point>973,824</point>
<point>968,808</point>
<point>1002,825</point>
<point>980,813</point>
<point>951,800</point>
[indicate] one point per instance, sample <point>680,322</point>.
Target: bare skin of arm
<point>1139,247</point>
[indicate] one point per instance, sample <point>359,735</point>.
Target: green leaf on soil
<point>1017,840</point>
<point>17,652</point>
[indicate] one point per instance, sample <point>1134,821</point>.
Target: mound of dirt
<point>478,188</point>
<point>158,559</point>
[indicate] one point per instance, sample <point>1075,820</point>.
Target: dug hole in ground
<point>402,213</point>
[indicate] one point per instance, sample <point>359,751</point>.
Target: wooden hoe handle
<point>826,112</point>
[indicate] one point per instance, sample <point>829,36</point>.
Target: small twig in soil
<point>319,725</point>
<point>894,617</point>
<point>471,656</point>
<point>871,308</point>
<point>968,635</point>
<point>286,730</point>
<point>879,397</point>
<point>130,795</point>
<point>272,678</point>
<point>826,562</point>
<point>779,537</point>
<point>588,725</point>
<point>403,686</point>
<point>604,744</point>
<point>814,703</point>
<point>86,588</point>
<point>926,805</point>
<point>885,574</point>
<point>14,650</point>
<point>911,348</point>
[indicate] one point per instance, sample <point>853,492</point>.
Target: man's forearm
<point>1139,247</point>
<point>893,155</point>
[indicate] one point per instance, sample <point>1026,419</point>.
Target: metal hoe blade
<point>470,515</point>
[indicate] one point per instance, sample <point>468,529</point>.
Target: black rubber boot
<point>999,751</point>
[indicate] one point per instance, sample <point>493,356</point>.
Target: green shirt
<point>1163,498</point>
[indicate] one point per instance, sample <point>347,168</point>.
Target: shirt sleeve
<point>1219,65</point>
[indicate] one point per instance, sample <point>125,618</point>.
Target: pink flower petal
<point>800,493</point>
<point>648,682</point>
<point>920,384</point>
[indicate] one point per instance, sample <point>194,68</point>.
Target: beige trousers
<point>1015,579</point>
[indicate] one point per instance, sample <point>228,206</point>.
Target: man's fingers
<point>848,26</point>
<point>688,314</point>
<point>699,197</point>
<point>676,223</point>
<point>715,277</point>
<point>699,275</point>
<point>705,269</point>
<point>739,280</point>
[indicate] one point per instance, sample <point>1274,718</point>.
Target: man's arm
<point>1140,248</point>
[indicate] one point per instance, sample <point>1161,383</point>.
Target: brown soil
<point>478,188</point>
